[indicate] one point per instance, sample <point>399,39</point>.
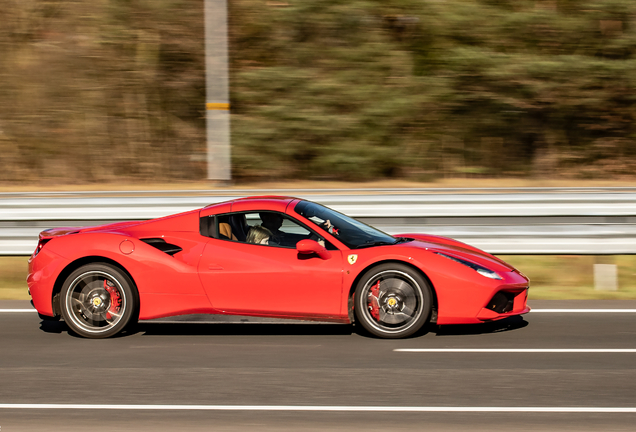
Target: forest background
<point>114,90</point>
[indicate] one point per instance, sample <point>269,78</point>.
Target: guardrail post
<point>217,93</point>
<point>605,274</point>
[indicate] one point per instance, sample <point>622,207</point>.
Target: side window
<point>207,226</point>
<point>265,228</point>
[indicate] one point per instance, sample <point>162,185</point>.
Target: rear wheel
<point>98,300</point>
<point>392,301</point>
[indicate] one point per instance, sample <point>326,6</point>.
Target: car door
<point>276,280</point>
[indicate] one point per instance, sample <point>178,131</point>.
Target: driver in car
<point>273,222</point>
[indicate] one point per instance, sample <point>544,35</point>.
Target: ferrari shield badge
<point>352,259</point>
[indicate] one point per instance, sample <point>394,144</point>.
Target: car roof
<point>264,202</point>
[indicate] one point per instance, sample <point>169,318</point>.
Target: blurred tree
<point>360,89</point>
<point>106,90</point>
<point>112,90</point>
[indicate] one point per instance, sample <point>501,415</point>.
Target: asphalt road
<point>317,365</point>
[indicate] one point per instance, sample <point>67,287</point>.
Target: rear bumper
<point>43,272</point>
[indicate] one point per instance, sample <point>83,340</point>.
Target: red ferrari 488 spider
<point>272,257</point>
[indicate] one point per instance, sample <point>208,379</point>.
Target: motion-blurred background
<point>111,94</point>
<point>114,90</point>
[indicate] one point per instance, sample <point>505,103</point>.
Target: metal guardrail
<point>530,221</point>
<point>349,191</point>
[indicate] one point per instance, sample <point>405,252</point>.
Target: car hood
<point>458,249</point>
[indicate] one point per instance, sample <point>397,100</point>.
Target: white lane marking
<point>16,310</point>
<point>585,310</point>
<point>518,350</point>
<point>324,408</point>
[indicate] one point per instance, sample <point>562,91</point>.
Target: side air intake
<point>161,244</point>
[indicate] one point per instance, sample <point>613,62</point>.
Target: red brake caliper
<point>374,306</point>
<point>115,299</point>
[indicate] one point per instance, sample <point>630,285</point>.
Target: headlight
<point>488,273</point>
<point>479,269</point>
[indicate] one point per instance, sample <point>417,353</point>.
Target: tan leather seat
<point>226,230</point>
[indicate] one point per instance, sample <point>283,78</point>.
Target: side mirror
<point>306,247</point>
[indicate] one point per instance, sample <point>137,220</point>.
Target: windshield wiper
<point>372,243</point>
<point>402,240</point>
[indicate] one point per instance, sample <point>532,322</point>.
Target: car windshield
<point>354,234</point>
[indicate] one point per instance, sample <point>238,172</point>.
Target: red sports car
<point>272,257</point>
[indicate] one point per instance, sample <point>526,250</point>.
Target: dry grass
<point>551,277</point>
<point>306,184</point>
<point>571,277</point>
<point>13,271</point>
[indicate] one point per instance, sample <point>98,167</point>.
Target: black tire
<point>98,300</point>
<point>392,301</point>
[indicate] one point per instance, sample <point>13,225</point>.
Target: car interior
<point>236,226</point>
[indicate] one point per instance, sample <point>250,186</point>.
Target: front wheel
<point>392,301</point>
<point>98,300</point>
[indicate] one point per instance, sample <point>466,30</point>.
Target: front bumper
<point>480,299</point>
<point>505,303</point>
